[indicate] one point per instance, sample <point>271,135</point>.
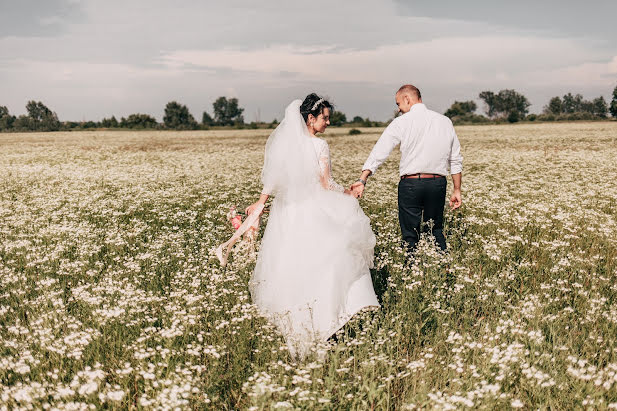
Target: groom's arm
<point>456,169</point>
<point>365,174</point>
<point>389,139</point>
<point>456,198</point>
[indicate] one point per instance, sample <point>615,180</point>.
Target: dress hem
<point>347,319</point>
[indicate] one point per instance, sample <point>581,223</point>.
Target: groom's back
<point>426,140</point>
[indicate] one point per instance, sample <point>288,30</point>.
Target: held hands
<point>357,189</point>
<point>455,200</point>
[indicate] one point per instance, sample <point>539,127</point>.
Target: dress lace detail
<point>325,165</point>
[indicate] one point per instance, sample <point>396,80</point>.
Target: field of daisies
<point>111,296</point>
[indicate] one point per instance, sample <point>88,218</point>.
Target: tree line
<point>505,105</point>
<point>177,117</point>
<point>226,113</point>
<point>511,106</point>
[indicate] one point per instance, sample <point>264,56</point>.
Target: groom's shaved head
<point>411,90</point>
<point>407,96</point>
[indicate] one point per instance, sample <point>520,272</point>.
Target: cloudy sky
<point>89,59</point>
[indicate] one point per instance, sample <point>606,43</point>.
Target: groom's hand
<point>455,200</point>
<point>357,189</point>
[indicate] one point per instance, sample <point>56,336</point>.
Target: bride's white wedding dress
<point>312,273</point>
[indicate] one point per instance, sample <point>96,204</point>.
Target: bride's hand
<point>250,209</point>
<point>261,202</point>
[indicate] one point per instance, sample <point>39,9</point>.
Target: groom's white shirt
<point>428,143</point>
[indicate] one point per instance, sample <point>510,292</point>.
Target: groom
<point>429,147</point>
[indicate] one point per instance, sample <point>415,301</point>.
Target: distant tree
<point>139,121</point>
<point>365,122</point>
<point>178,117</point>
<point>23,123</point>
<point>579,104</point>
<point>490,99</point>
<point>460,108</point>
<point>70,125</point>
<point>574,107</point>
<point>514,116</point>
<point>88,124</point>
<point>504,103</point>
<point>337,118</point>
<point>586,106</point>
<point>6,119</point>
<point>613,107</point>
<point>554,106</point>
<point>109,122</point>
<point>568,105</point>
<point>206,119</point>
<point>572,104</point>
<point>513,102</point>
<point>369,123</point>
<point>41,117</point>
<point>600,107</point>
<point>227,112</point>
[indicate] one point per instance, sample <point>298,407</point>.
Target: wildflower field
<point>111,297</point>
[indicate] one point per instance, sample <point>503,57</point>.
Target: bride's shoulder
<point>319,141</point>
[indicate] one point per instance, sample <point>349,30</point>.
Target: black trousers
<point>418,196</point>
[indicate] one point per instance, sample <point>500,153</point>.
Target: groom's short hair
<point>408,88</point>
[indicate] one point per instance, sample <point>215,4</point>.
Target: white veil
<point>291,168</point>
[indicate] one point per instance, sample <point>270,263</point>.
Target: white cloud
<point>105,62</point>
<point>603,74</point>
<point>483,61</point>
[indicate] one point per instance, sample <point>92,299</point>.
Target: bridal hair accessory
<point>249,228</point>
<point>317,103</point>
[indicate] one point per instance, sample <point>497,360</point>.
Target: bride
<point>312,273</point>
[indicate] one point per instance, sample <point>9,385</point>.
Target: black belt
<point>422,175</point>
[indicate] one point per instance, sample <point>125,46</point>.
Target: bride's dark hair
<point>310,106</point>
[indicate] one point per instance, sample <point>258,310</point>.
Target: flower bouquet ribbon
<point>249,226</point>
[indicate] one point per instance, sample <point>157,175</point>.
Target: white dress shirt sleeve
<point>456,159</point>
<point>390,138</point>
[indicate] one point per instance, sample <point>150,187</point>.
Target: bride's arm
<point>326,172</point>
